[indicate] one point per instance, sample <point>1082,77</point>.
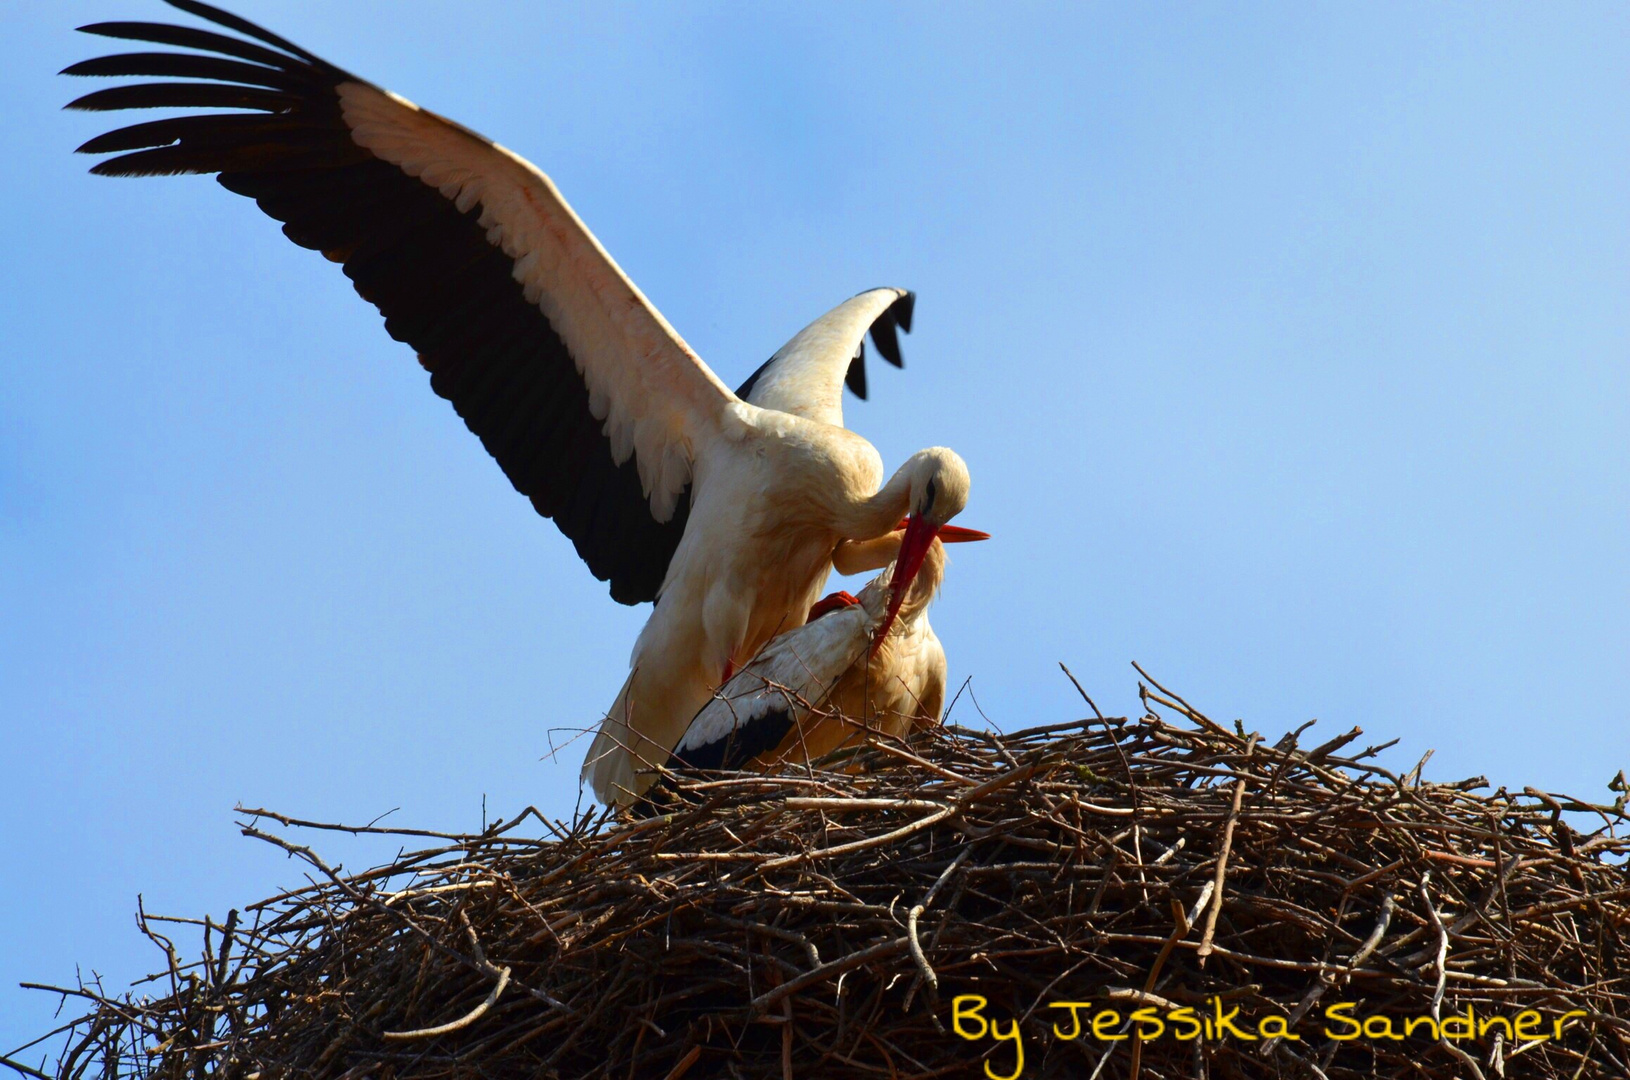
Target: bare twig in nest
<point>26,1070</point>
<point>462,1022</point>
<point>1222,863</point>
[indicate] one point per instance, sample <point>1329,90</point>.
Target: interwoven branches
<point>822,923</point>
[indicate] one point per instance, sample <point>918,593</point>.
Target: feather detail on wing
<point>590,402</point>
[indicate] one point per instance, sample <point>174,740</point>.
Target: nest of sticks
<point>934,908</point>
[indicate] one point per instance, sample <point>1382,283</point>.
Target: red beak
<point>919,536</point>
<point>956,534</point>
<point>949,534</point>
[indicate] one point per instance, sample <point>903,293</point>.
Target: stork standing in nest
<point>861,667</point>
<point>723,508</point>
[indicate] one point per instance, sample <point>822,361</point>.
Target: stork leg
<point>828,604</point>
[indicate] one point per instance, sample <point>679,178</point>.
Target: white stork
<point>726,511</point>
<point>847,674</point>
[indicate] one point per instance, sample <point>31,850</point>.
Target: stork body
<point>726,597</point>
<point>833,681</point>
<point>724,508</point>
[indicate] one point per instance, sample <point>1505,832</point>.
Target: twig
<point>826,971</point>
<point>462,1022</point>
<point>1222,863</point>
<point>25,1069</point>
<point>917,950</point>
<point>1078,689</point>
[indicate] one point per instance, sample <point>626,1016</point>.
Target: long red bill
<point>949,534</point>
<point>956,534</point>
<point>920,533</point>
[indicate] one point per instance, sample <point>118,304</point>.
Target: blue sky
<point>1287,345</point>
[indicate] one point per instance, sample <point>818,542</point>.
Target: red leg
<point>834,602</point>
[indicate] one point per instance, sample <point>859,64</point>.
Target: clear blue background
<point>1287,345</point>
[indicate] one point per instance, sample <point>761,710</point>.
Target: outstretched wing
<point>590,402</point>
<point>807,375</point>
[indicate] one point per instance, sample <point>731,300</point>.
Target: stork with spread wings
<point>723,508</point>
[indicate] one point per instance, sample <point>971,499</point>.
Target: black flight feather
<point>744,742</point>
<point>189,37</point>
<point>441,285</point>
<point>855,377</point>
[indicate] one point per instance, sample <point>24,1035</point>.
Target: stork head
<point>939,490</point>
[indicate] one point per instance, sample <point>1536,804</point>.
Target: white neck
<point>879,514</point>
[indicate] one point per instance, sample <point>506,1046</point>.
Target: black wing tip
<point>903,308</point>
<point>895,317</point>
<point>283,53</point>
<point>737,748</point>
<point>243,26</point>
<point>123,166</point>
<point>88,103</point>
<point>885,337</point>
<point>855,377</point>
